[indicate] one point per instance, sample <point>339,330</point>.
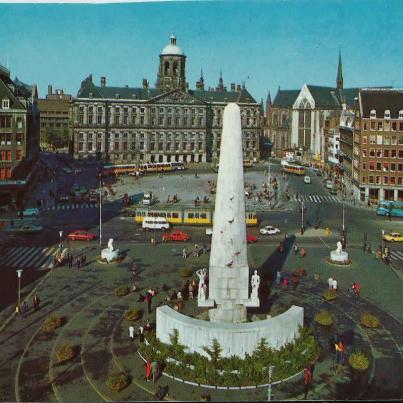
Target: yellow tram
<point>182,215</point>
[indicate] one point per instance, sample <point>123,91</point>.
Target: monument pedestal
<point>339,257</point>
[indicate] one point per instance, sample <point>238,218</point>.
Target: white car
<point>307,179</point>
<point>269,230</point>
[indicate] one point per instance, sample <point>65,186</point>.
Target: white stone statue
<point>202,285</point>
<point>339,248</point>
<point>255,282</point>
<point>110,244</point>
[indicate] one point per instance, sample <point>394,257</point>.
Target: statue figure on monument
<point>201,273</point>
<point>110,244</point>
<point>339,248</point>
<point>255,282</point>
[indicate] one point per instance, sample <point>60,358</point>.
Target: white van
<point>155,223</point>
<point>148,199</point>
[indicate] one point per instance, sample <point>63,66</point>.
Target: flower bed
<point>359,361</point>
<point>122,291</point>
<point>133,314</point>
<point>330,295</point>
<point>370,321</point>
<point>52,323</point>
<point>117,381</point>
<point>65,353</point>
<point>233,371</point>
<point>324,318</point>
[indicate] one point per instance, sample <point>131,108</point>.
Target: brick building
<point>167,123</point>
<point>19,138</point>
<point>378,145</point>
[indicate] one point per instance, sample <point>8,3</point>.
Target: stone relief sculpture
<point>201,273</point>
<point>255,282</point>
<point>110,244</point>
<point>339,248</point>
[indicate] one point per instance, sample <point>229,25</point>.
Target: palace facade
<point>167,123</point>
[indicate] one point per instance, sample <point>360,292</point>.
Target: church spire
<point>220,83</point>
<point>339,80</point>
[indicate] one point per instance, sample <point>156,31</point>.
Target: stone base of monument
<point>115,258</point>
<point>339,258</point>
<point>234,338</point>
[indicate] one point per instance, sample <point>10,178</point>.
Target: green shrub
<point>185,272</point>
<point>330,295</point>
<point>117,381</point>
<point>133,314</point>
<point>122,291</point>
<point>369,320</point>
<point>359,361</point>
<point>65,353</point>
<point>324,318</point>
<point>52,323</point>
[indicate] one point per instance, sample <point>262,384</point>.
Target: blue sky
<point>264,43</point>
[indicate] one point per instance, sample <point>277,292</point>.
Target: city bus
<point>184,215</point>
<point>390,208</point>
<point>292,168</point>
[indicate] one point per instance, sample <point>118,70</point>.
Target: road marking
<point>25,257</point>
<point>310,198</point>
<point>16,256</point>
<point>39,256</point>
<point>396,255</point>
<point>9,254</point>
<point>324,242</point>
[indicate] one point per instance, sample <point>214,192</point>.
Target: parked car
<point>155,223</point>
<point>307,179</point>
<point>148,199</point>
<point>81,235</point>
<point>333,191</point>
<point>175,236</point>
<point>67,170</point>
<point>30,212</point>
<point>251,238</point>
<point>393,237</point>
<point>64,198</point>
<point>269,230</point>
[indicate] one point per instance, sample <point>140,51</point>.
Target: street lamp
<point>383,242</point>
<point>271,367</point>
<point>100,213</point>
<point>343,231</point>
<point>60,236</point>
<point>19,273</point>
<point>302,218</point>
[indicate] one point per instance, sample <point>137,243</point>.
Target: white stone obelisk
<point>228,268</point>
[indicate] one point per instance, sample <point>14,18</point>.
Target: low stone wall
<point>234,338</point>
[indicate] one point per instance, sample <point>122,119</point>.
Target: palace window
<point>400,114</point>
<point>373,114</point>
<point>378,166</point>
<point>5,103</point>
<point>387,114</point>
<point>5,121</point>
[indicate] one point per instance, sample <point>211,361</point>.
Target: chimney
<point>49,90</point>
<point>232,86</point>
<point>103,81</point>
<point>238,87</point>
<point>145,83</point>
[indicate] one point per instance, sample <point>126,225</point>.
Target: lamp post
<point>302,218</point>
<point>19,273</point>
<point>60,237</point>
<point>343,230</point>
<point>383,242</point>
<point>100,213</point>
<point>271,367</point>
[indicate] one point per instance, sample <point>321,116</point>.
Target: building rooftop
<point>380,100</point>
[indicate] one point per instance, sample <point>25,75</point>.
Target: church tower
<point>171,74</point>
<point>339,81</point>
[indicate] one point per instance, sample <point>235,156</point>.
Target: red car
<point>175,236</point>
<point>250,238</point>
<point>81,235</point>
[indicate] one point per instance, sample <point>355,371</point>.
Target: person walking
<point>24,309</point>
<point>78,262</point>
<point>295,249</point>
<point>307,380</point>
<point>36,302</point>
<point>334,285</point>
<point>131,332</point>
<point>190,291</point>
<point>148,371</point>
<point>148,300</point>
<point>303,253</point>
<point>184,253</point>
<point>140,333</point>
<point>154,369</point>
<point>330,283</point>
<point>70,261</point>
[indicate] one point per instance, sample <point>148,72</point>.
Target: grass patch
<point>324,318</point>
<point>122,291</point>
